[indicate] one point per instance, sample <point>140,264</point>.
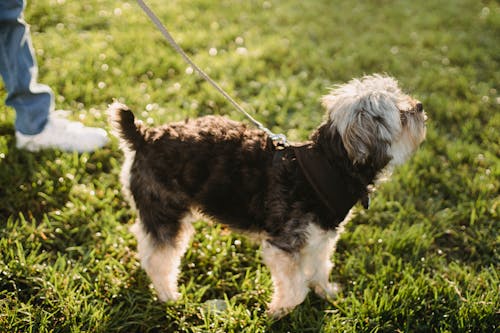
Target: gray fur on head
<point>367,114</point>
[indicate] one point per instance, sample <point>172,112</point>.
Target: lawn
<point>423,258</point>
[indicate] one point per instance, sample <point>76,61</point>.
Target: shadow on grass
<point>136,309</point>
<point>27,186</point>
<point>309,316</point>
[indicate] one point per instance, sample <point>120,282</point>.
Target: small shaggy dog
<point>293,199</point>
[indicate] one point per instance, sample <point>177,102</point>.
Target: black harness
<point>327,181</point>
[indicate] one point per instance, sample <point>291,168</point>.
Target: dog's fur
<point>226,171</point>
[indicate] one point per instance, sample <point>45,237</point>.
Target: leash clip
<point>279,140</point>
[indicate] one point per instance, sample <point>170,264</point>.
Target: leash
<point>279,140</point>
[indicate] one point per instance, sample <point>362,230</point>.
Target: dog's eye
<point>403,116</point>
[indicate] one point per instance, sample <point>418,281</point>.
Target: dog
<point>294,199</point>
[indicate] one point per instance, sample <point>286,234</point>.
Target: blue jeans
<point>32,101</point>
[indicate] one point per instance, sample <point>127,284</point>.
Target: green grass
<point>423,258</point>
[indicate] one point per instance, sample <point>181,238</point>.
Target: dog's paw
<point>277,313</point>
<point>165,297</point>
<point>328,291</point>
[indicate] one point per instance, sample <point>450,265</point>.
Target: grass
<point>423,258</point>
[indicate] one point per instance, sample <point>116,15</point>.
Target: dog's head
<point>376,121</point>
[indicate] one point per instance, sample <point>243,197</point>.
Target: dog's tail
<point>122,121</point>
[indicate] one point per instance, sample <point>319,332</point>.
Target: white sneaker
<point>62,134</point>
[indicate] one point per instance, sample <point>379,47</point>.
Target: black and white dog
<point>295,200</point>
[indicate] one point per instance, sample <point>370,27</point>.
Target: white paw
<point>168,296</point>
<point>278,312</point>
<point>327,291</point>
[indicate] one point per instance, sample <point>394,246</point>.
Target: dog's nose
<point>419,107</point>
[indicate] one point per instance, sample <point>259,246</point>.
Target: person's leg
<point>31,100</point>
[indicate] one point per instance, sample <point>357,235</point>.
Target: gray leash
<point>279,139</point>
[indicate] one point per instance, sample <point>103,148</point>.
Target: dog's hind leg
<point>161,260</point>
<point>290,284</point>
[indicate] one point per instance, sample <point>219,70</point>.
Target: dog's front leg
<point>290,284</point>
<point>315,258</point>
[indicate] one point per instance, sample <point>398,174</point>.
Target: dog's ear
<point>366,123</point>
<point>366,138</point>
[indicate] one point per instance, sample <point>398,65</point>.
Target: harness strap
<point>328,183</point>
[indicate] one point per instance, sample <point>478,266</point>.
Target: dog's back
<point>212,164</point>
